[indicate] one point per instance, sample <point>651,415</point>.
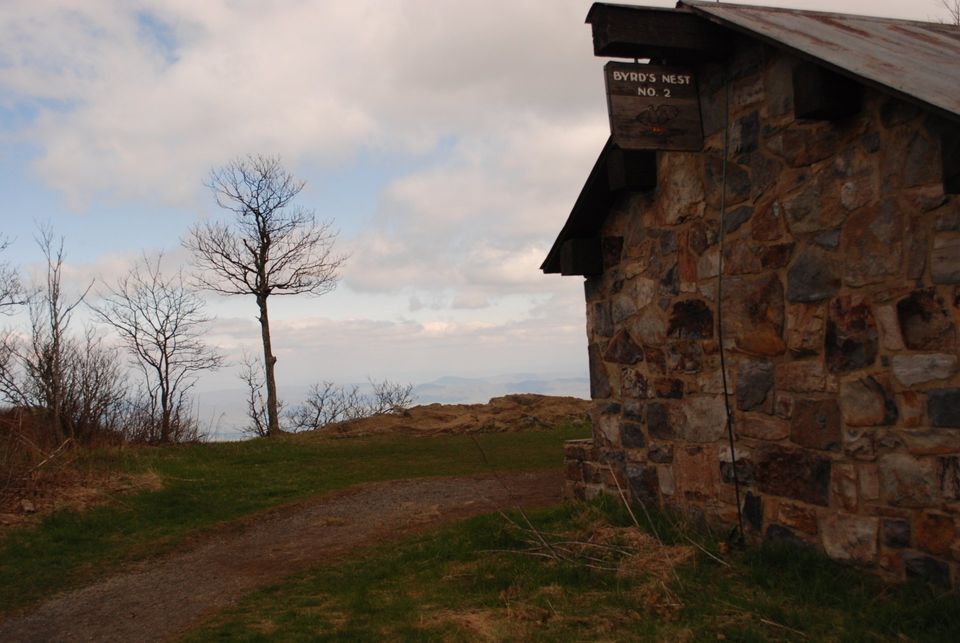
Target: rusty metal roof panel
<point>920,60</point>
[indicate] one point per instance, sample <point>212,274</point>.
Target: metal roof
<point>918,60</point>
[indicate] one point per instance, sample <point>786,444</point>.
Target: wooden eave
<point>621,31</point>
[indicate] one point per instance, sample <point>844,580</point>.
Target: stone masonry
<point>838,315</point>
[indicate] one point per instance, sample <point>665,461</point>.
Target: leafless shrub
<point>160,322</point>
<point>389,397</point>
<point>328,403</point>
<point>141,419</point>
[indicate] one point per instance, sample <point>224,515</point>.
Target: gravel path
<point>161,599</point>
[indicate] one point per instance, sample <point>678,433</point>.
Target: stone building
<point>773,312</point>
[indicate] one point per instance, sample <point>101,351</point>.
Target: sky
<point>446,140</point>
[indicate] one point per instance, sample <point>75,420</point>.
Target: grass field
<point>209,484</point>
<point>583,573</point>
<point>478,581</point>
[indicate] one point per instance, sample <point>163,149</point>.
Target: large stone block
<point>805,329</point>
<point>934,533</point>
<point>762,427</point>
<point>806,376</point>
<point>948,474</point>
<point>660,453</point>
<point>943,407</point>
<point>622,349</point>
<point>857,192</point>
<point>945,259</point>
<point>923,367</point>
<point>866,402</point>
<point>668,388</point>
<point>633,384</point>
<point>754,383</point>
<point>813,276</point>
<point>622,307</point>
<point>691,319</point>
<point>803,145</point>
<point>849,537</point>
<point>872,244</point>
<point>816,424</point>
<point>851,336</point>
<point>925,322</point>
<point>890,335</point>
<point>697,471</point>
<point>927,441</point>
<point>767,222</point>
<point>745,256</point>
<point>704,419</point>
<point>631,435</point>
<point>644,484</point>
<point>599,321</point>
<point>797,516</point>
<point>793,473</point>
<point>737,180</point>
<point>685,356</point>
<point>680,194</point>
<point>754,314</point>
<point>648,326</point>
<point>606,428</point>
<point>843,486</point>
<point>599,378</point>
<point>906,481</point>
<point>660,424</point>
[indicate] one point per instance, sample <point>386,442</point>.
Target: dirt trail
<point>161,599</point>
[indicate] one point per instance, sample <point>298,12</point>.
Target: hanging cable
<point>723,362</point>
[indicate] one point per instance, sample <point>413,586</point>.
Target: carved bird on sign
<point>656,116</point>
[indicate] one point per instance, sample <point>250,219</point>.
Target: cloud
<point>138,100</point>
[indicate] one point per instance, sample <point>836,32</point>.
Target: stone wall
<point>840,309</point>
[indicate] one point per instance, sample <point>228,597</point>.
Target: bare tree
<point>271,247</point>
<point>160,322</point>
<point>75,381</point>
<point>11,290</point>
<point>49,318</point>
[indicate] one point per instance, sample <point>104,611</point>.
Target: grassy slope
<point>207,485</point>
<point>464,584</point>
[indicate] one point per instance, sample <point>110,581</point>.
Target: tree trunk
<point>164,415</point>
<point>273,419</point>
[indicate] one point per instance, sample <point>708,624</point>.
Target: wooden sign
<point>653,107</point>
